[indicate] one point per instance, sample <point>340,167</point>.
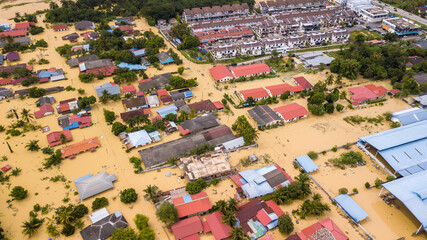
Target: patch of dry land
<point>282,144</point>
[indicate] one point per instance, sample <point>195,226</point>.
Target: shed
<point>306,163</point>
<point>351,208</point>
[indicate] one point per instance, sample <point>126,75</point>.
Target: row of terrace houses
<point>215,12</point>
<point>289,5</point>
<point>281,45</point>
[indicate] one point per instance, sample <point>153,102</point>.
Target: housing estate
<point>215,12</point>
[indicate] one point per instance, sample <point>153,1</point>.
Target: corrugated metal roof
<point>306,163</point>
<point>91,185</point>
<point>351,208</point>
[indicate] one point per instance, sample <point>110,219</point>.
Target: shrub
<point>68,230</point>
<point>196,186</point>
<point>335,148</point>
<point>128,195</point>
<point>79,211</point>
<point>99,203</point>
<point>141,221</point>
<point>18,193</point>
<point>390,178</point>
<point>378,182</point>
<point>215,181</point>
<point>312,155</point>
<point>343,190</point>
<point>355,190</point>
<point>109,116</point>
<point>367,185</point>
<point>286,226</point>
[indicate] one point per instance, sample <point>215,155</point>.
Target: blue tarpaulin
<point>306,163</point>
<point>412,192</point>
<point>351,208</point>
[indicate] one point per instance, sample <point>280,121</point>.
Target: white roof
<point>89,185</point>
<point>98,215</point>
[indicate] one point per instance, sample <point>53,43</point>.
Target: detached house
<point>134,103</point>
<point>44,110</point>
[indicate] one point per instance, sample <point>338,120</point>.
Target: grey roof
<point>21,41</point>
<point>157,82</point>
<point>112,89</point>
<point>71,36</point>
<point>45,100</point>
<point>176,95</point>
<point>74,62</point>
<point>105,227</point>
<point>180,103</point>
<point>319,60</point>
<point>145,62</point>
<point>422,100</point>
<point>160,154</point>
<point>421,78</point>
<point>64,121</point>
<point>200,123</point>
<point>263,115</point>
<point>89,185</point>
<point>53,89</point>
<point>275,177</point>
<point>83,25</point>
<point>22,91</point>
<point>98,63</point>
<point>6,92</point>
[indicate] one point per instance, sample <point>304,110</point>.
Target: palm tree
<point>238,234</point>
<point>221,206</point>
<point>183,115</point>
<point>32,145</point>
<point>105,97</point>
<point>26,115</point>
<point>317,197</point>
<point>151,192</point>
<point>232,205</point>
<point>229,219</point>
<point>52,230</point>
<point>14,113</point>
<point>63,215</point>
<point>63,138</point>
<point>30,227</point>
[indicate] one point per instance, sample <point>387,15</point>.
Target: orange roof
<point>218,105</point>
<point>128,88</point>
<point>257,68</point>
<point>14,33</point>
<point>80,147</point>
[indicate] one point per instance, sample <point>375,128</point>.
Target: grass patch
<point>15,5</point>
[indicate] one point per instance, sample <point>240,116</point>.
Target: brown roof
<point>127,115</point>
<point>134,102</point>
<point>203,106</point>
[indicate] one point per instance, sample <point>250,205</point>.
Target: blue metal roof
<point>351,208</point>
<point>166,110</point>
<point>139,52</point>
<point>132,66</point>
<point>112,89</point>
<point>188,94</point>
<point>412,192</point>
<point>169,60</point>
<point>411,116</point>
<point>306,163</point>
<point>403,148</point>
<point>71,126</point>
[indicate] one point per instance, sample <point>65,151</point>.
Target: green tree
<point>54,160</point>
<point>68,230</point>
<point>32,145</point>
<point>26,115</point>
<point>243,128</point>
<point>329,108</point>
<point>18,193</point>
<point>63,138</point>
<point>196,186</point>
<point>79,211</point>
<point>339,107</point>
<point>52,230</point>
<point>99,203</point>
<point>181,70</point>
<point>117,128</point>
<point>237,233</point>
<point>167,213</point>
<point>31,227</point>
<point>128,195</point>
<point>285,95</point>
<point>124,234</point>
<point>286,226</point>
<point>64,214</point>
<point>141,221</point>
<point>229,219</point>
<point>152,193</point>
<point>109,116</point>
<point>147,234</point>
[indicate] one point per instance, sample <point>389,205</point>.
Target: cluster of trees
<point>277,62</point>
<point>316,101</point>
<point>243,128</point>
<point>136,164</point>
<point>348,158</point>
<point>54,159</point>
<point>285,224</point>
<point>80,10</point>
<point>299,189</point>
<point>313,207</point>
<point>86,101</point>
<point>124,76</point>
<point>180,82</point>
<point>196,186</point>
<point>99,203</point>
<point>378,62</point>
<point>110,116</point>
<point>145,231</point>
<point>34,30</point>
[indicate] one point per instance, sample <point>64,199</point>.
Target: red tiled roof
<point>166,99</point>
<point>54,138</point>
<point>200,203</point>
<point>366,92</point>
<point>156,118</point>
<point>43,80</point>
<point>183,131</point>
<point>64,107</point>
<point>80,147</point>
<point>267,237</point>
<point>192,237</point>
<point>23,25</point>
<point>125,28</point>
<point>140,94</point>
<point>46,108</point>
<point>217,227</point>
<point>145,80</point>
<point>236,179</point>
<point>18,81</point>
<point>14,33</point>
<point>106,71</point>
<point>57,27</point>
<point>129,89</point>
<point>219,72</point>
<point>279,89</point>
<point>218,105</point>
<point>257,68</point>
<point>394,91</point>
<point>162,92</point>
<point>291,111</point>
<point>303,82</point>
<point>325,223</point>
<point>5,81</point>
<point>254,93</point>
<point>187,227</point>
